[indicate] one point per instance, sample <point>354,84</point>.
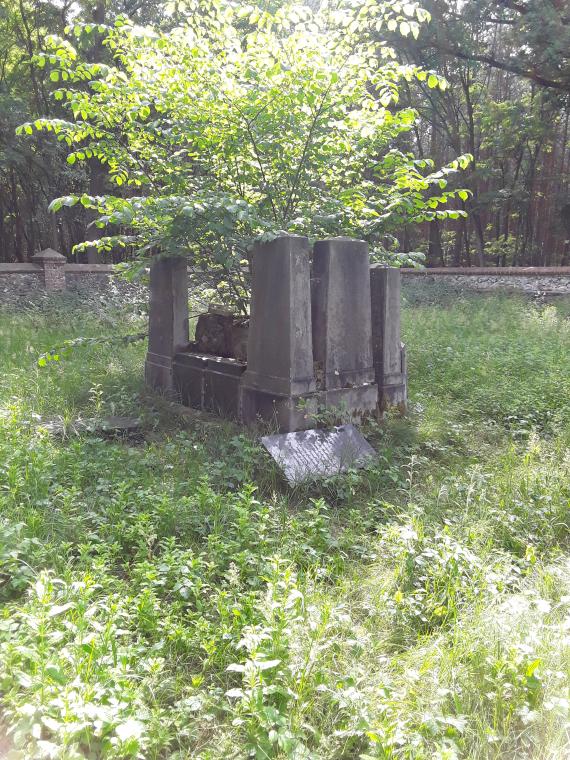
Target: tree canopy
<point>243,123</point>
<point>166,102</point>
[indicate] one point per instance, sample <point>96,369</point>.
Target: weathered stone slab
<point>279,350</point>
<point>222,386</point>
<point>188,370</point>
<point>318,453</point>
<point>98,425</point>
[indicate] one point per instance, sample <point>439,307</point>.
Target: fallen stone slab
<point>111,426</point>
<point>317,454</point>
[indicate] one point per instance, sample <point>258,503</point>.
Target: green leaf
<point>56,675</point>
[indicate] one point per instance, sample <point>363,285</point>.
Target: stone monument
<point>317,340</point>
<point>342,324</point>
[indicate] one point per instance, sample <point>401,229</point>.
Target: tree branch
<point>512,6</point>
<point>504,66</point>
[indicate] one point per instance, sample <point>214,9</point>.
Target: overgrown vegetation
<point>156,603</point>
<point>241,124</point>
<point>507,104</point>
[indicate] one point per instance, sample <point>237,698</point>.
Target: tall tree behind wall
<point>28,169</point>
<point>33,169</point>
<point>508,62</point>
<point>509,68</point>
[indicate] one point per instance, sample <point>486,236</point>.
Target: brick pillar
<point>168,319</point>
<point>53,264</point>
<point>388,351</point>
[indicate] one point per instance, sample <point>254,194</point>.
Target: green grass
<point>167,597</point>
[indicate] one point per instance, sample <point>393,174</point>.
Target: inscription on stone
<point>318,453</point>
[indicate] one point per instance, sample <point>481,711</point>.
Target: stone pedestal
<point>388,351</point>
<point>280,352</point>
<point>188,372</point>
<point>222,387</point>
<point>53,265</point>
<point>168,319</point>
<point>342,330</point>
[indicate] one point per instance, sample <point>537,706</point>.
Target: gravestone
<point>280,351</point>
<point>330,342</point>
<point>168,319</point>
<point>342,331</point>
<point>312,454</point>
<point>388,351</point>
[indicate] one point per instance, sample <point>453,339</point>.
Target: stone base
<point>393,391</point>
<point>393,397</point>
<point>356,402</point>
<point>158,373</point>
<point>284,413</point>
<point>215,384</point>
<point>210,383</point>
<point>292,413</point>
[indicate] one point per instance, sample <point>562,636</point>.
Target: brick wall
<point>546,280</point>
<point>25,284</point>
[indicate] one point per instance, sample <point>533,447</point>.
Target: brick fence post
<point>53,264</point>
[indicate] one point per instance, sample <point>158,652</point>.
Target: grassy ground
<point>167,597</point>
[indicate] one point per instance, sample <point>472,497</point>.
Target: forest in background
<point>508,66</point>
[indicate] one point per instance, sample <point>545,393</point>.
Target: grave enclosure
<point>324,333</point>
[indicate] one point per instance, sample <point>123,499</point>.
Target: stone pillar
<point>342,329</point>
<point>53,265</point>
<point>280,351</point>
<point>388,351</point>
<point>168,319</point>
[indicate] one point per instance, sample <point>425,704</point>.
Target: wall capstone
<point>532,280</point>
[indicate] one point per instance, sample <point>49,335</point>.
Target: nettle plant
<point>245,123</point>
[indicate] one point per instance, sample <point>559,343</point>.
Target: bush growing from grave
<point>243,124</point>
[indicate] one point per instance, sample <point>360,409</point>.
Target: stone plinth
<point>168,319</point>
<point>188,371</point>
<point>280,352</point>
<point>388,351</point>
<point>342,330</point>
<point>222,386</point>
<point>53,265</point>
<point>210,383</point>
